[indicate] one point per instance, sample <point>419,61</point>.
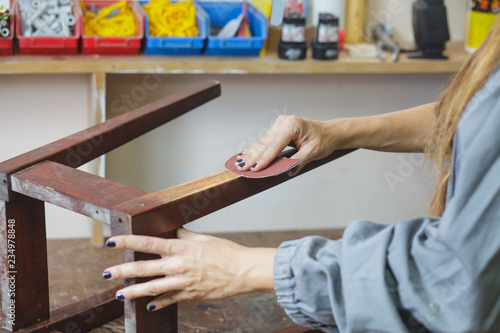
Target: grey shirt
<point>424,274</point>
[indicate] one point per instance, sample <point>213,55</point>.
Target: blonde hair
<point>470,79</point>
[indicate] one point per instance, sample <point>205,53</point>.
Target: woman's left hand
<point>193,266</point>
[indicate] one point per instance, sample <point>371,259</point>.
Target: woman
<point>437,273</point>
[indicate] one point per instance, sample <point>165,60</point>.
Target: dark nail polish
<point>241,165</point>
<point>294,170</point>
<point>240,154</point>
<point>151,308</point>
<point>110,244</point>
<point>106,275</point>
<point>120,297</point>
<point>254,166</point>
<point>239,161</point>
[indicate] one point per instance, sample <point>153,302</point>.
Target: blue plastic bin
<point>220,13</point>
<point>154,45</point>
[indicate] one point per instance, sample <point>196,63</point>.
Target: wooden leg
<point>23,253</point>
<point>137,318</point>
<point>97,116</point>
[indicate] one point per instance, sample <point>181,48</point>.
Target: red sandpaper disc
<point>277,167</point>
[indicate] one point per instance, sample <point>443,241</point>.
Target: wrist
<point>256,274</point>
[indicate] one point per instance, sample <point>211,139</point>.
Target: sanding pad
<point>277,167</point>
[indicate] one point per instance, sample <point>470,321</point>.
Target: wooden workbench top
<point>269,64</point>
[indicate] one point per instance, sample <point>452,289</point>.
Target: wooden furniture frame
<point>49,174</point>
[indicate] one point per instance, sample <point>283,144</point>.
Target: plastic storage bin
<point>156,45</point>
<point>222,12</point>
<point>49,45</point>
<point>6,46</point>
<point>114,45</point>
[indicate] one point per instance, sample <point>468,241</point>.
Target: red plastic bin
<point>49,45</point>
<point>114,45</point>
<point>6,47</point>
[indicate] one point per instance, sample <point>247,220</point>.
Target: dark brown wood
<point>297,329</point>
<point>137,318</point>
<point>82,147</point>
<point>75,190</point>
<point>24,275</point>
<point>178,205</point>
<point>80,316</point>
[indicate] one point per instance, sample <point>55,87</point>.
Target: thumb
<point>305,156</point>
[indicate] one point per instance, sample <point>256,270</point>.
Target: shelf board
<point>269,64</point>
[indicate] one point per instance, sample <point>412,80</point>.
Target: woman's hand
<point>193,266</point>
<point>313,139</point>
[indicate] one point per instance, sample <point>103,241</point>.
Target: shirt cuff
<point>285,282</point>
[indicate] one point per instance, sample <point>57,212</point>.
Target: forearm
<point>402,131</point>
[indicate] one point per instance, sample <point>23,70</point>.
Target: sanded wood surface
<point>270,64</point>
<point>84,146</point>
<point>163,211</point>
<point>75,190</point>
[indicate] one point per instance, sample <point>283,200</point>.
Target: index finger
<point>145,244</point>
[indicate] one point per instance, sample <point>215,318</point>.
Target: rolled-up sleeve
<point>425,274</point>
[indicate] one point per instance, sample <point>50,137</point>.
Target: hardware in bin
<point>112,27</point>
<point>172,45</point>
<point>47,27</point>
<point>6,30</point>
<point>220,13</point>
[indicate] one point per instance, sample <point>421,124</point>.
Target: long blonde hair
<point>469,80</point>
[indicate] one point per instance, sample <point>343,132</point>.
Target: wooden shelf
<point>270,64</point>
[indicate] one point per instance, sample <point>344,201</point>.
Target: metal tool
<point>382,34</point>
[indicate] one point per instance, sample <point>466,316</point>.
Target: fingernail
<point>151,308</point>
<point>294,170</point>
<point>120,297</point>
<point>241,165</point>
<point>240,154</point>
<point>110,244</point>
<point>106,275</point>
<point>254,166</point>
<point>239,161</point>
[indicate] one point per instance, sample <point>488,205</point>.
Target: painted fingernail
<point>241,165</point>
<point>294,170</point>
<point>151,308</point>
<point>106,275</point>
<point>239,161</point>
<point>110,244</point>
<point>120,297</point>
<point>254,166</point>
<point>240,154</point>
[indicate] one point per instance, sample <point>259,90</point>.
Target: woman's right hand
<point>313,139</point>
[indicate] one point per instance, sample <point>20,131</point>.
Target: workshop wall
<point>39,109</point>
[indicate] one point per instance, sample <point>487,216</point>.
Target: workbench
<point>98,67</point>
